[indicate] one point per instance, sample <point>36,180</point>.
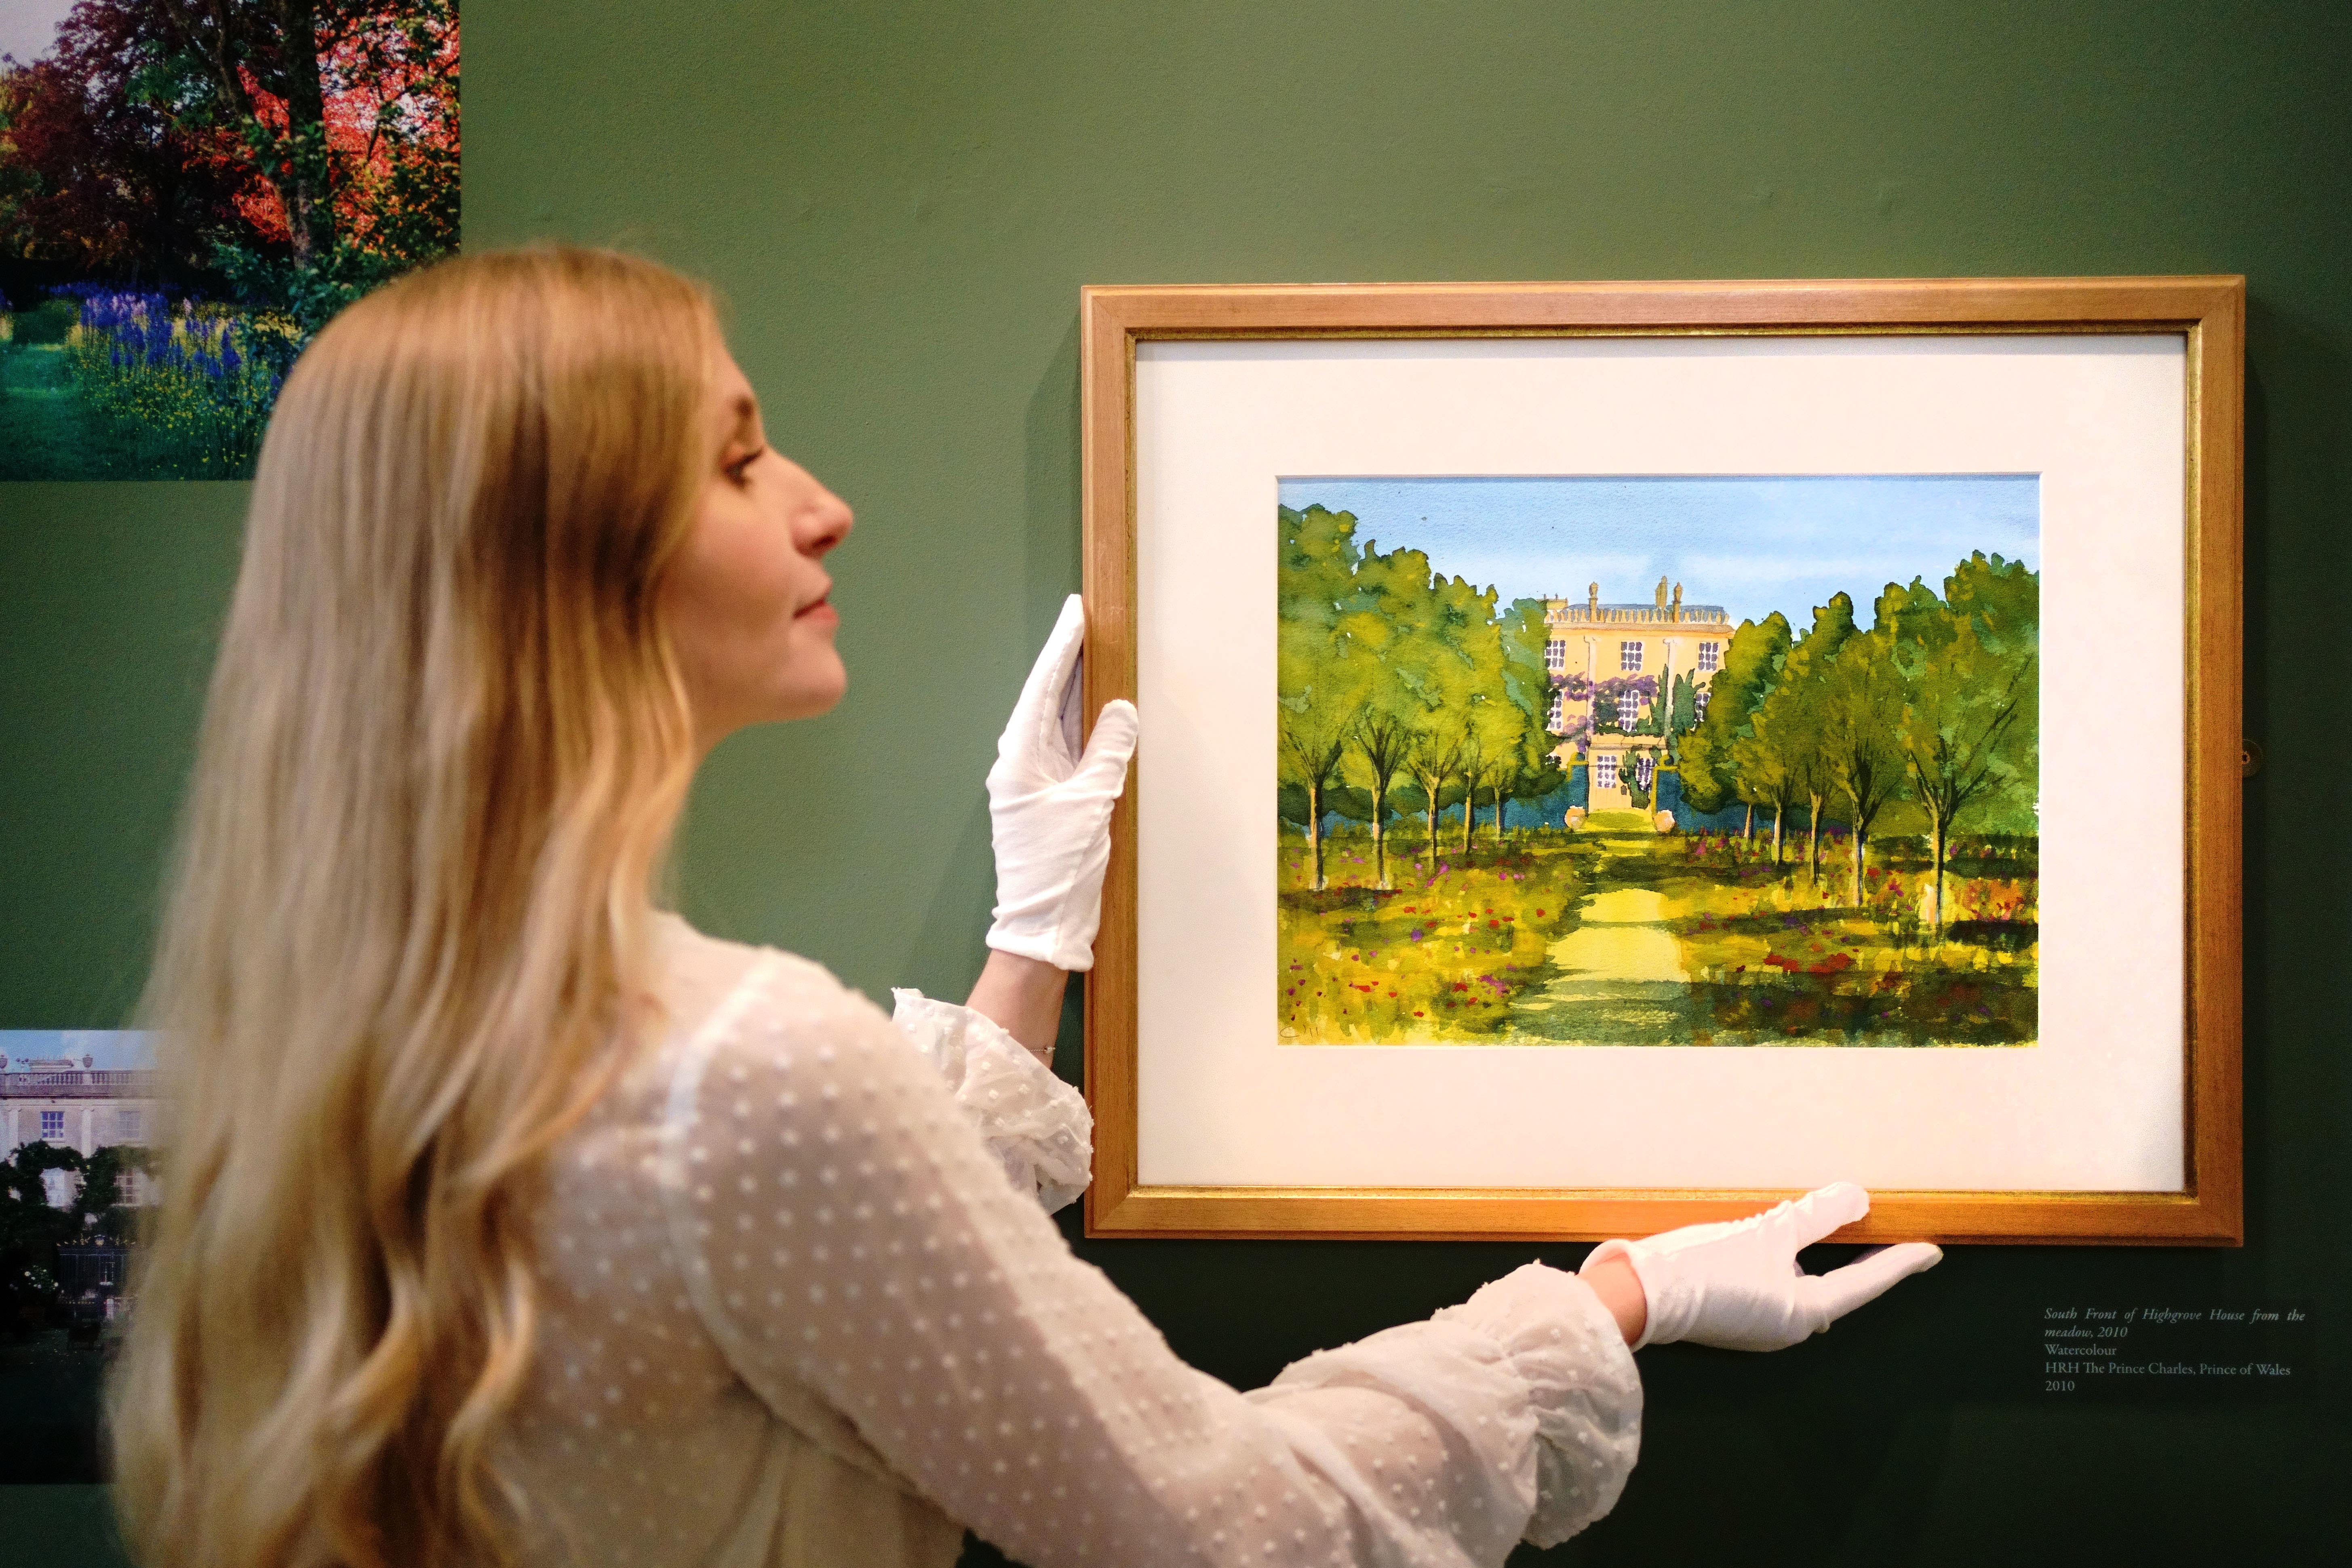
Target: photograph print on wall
<point>77,1121</point>
<point>186,194</point>
<point>1658,761</point>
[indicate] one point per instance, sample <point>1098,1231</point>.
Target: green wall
<point>901,203</point>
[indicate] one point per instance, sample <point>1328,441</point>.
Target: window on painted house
<point>1555,655</point>
<point>52,1123</point>
<point>1551,714</point>
<point>1605,770</point>
<point>1645,768</point>
<point>1710,656</point>
<point>1628,655</point>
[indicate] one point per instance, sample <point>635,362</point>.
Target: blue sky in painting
<point>105,1048</point>
<point>1752,545</point>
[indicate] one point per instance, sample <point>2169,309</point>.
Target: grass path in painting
<point>1618,978</point>
<point>46,430</point>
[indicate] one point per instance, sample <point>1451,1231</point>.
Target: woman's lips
<point>821,610</point>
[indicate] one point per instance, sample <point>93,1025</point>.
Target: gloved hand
<point>1737,1285</point>
<point>1050,808</point>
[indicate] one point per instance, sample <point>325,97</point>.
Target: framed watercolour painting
<point>1617,754</point>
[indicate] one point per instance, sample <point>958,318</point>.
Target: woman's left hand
<point>1736,1285</point>
<point>1050,804</point>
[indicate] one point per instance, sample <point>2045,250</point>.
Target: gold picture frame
<point>2206,313</point>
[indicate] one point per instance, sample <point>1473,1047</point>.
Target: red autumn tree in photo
<point>96,180</point>
<point>298,151</point>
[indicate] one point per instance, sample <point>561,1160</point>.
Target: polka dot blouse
<point>801,1304</point>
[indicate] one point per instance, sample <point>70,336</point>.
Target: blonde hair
<point>444,751</point>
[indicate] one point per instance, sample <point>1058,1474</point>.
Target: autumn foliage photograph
<point>189,189</point>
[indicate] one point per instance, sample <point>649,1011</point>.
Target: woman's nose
<point>825,525</point>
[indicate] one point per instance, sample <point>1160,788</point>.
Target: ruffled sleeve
<point>1533,1360</point>
<point>1586,1396</point>
<point>1038,1126</point>
<point>853,1246</point>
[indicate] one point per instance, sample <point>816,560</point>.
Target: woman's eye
<point>739,470</point>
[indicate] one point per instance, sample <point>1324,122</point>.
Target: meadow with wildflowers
<point>1438,955</point>
<point>1780,954</point>
<point>1539,940</point>
<point>185,387</point>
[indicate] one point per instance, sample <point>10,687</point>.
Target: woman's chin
<point>819,691</point>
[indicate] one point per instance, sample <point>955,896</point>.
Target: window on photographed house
<point>130,1125</point>
<point>1605,770</point>
<point>1551,714</point>
<point>1628,655</point>
<point>52,1123</point>
<point>1710,656</point>
<point>1555,655</point>
<point>1699,702</point>
<point>1645,768</point>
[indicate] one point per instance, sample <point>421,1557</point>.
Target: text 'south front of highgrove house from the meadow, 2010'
<point>1616,671</point>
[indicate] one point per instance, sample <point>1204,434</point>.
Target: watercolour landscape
<point>1658,761</point>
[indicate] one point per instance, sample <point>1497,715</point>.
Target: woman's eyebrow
<point>747,420</point>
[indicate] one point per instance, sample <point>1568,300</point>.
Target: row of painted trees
<point>1938,702</point>
<point>1409,687</point>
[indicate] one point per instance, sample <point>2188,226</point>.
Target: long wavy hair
<point>443,754</point>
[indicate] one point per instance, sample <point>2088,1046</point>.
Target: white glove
<point>1737,1285</point>
<point>1050,805</point>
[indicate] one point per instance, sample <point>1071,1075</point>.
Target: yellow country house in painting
<point>1611,664</point>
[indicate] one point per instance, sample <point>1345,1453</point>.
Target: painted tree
<point>1682,711</point>
<point>1391,619</point>
<point>1323,681</point>
<point>1751,663</point>
<point>1765,760</point>
<point>1432,761</point>
<point>1465,673</point>
<point>2003,601</point>
<point>1861,716</point>
<point>1793,714</point>
<point>1972,677</point>
<point>1497,752</point>
<point>1524,753</point>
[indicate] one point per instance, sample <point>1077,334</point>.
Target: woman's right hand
<point>1049,805</point>
<point>1737,1285</point>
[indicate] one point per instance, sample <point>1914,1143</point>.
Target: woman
<point>511,1220</point>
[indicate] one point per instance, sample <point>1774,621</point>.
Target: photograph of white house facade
<point>72,1104</point>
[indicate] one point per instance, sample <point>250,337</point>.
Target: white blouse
<point>793,1312</point>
